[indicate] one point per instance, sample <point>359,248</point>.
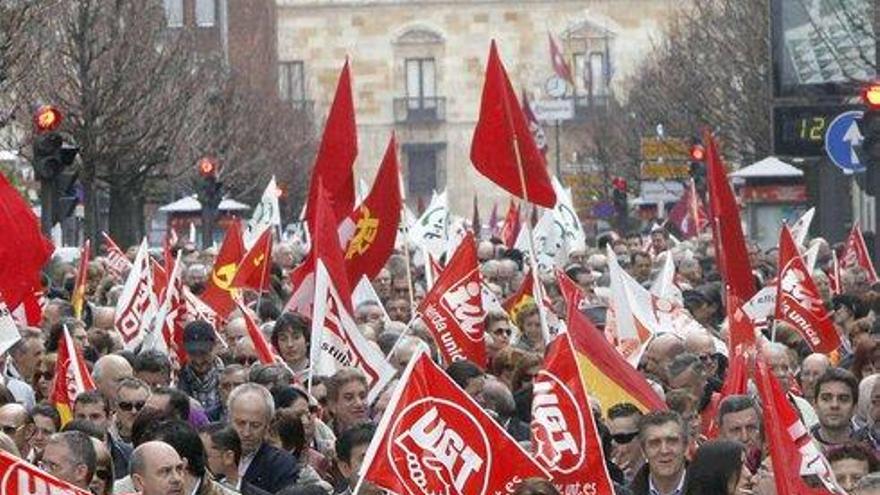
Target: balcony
<point>429,110</point>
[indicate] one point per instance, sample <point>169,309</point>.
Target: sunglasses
<point>10,430</point>
<point>624,438</point>
<point>503,331</point>
<point>45,375</point>
<point>128,406</point>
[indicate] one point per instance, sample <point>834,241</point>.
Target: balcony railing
<point>419,110</point>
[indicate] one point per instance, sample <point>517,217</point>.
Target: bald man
<point>16,422</point>
<point>235,331</point>
<point>157,469</point>
<point>812,368</point>
<point>702,345</point>
<point>660,352</point>
<point>108,372</point>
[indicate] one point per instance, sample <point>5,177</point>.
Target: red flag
<point>607,375</point>
<point>71,377</point>
<point>20,477</point>
<point>502,141</point>
<point>453,309</point>
<point>117,263</point>
<point>856,253</point>
<point>434,438</point>
<point>373,225</point>
<point>798,301</point>
<point>160,278</point>
<point>794,455</point>
<point>688,215</point>
<point>167,334</point>
<point>334,163</point>
<point>78,299</point>
<point>564,436</point>
<point>560,65</point>
<point>253,269</point>
<point>25,251</point>
<point>263,349</point>
<point>730,247</point>
<point>218,290</point>
<point>512,224</point>
<point>834,278</point>
<point>569,289</point>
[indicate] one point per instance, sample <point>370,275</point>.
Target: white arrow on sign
<point>854,137</point>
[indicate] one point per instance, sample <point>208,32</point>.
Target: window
<point>174,12</point>
<point>205,12</point>
<point>291,81</point>
<point>421,89</point>
<point>598,79</point>
<point>580,76</point>
<point>421,177</point>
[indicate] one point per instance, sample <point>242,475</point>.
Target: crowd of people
<point>225,423</point>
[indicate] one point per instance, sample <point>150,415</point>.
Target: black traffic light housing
<point>210,195</point>
<point>869,126</point>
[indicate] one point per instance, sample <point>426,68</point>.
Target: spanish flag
<point>71,377</point>
<point>606,374</point>
<point>79,290</point>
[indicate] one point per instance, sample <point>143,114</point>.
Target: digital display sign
<point>800,130</point>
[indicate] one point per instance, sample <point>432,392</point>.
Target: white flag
<point>664,285</point>
<point>569,222</point>
<point>266,214</point>
<point>364,292</point>
<point>549,243</point>
<point>137,305</point>
<point>336,341</point>
<point>801,227</point>
<point>430,232</point>
<point>8,331</point>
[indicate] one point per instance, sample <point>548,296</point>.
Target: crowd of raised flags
<point>597,314</point>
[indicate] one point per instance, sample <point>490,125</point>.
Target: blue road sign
<point>841,140</point>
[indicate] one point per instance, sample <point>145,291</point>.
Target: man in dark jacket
<point>251,410</point>
<point>663,436</point>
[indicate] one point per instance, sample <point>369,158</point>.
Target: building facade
<point>418,68</point>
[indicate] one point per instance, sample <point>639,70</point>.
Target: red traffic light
<point>47,118</point>
<point>619,183</point>
<point>207,167</point>
<point>698,153</point>
<point>871,96</point>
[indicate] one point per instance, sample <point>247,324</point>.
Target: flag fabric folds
<point>688,215</point>
<point>263,349</point>
<point>564,436</point>
<point>21,477</point>
<point>334,163</point>
<point>434,438</point>
<point>267,214</point>
<point>856,254</point>
<point>253,269</point>
<point>370,231</point>
<point>731,254</point>
<point>117,263</point>
<point>606,374</point>
<point>78,298</point>
<point>137,302</point>
<point>71,377</point>
<point>502,148</point>
<point>798,301</point>
<point>219,290</point>
<point>560,66</point>
<point>453,308</point>
<point>21,259</point>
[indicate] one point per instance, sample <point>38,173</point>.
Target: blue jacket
<point>272,469</point>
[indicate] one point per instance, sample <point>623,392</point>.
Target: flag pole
<point>406,253</point>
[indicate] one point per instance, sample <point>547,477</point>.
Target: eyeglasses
<point>503,331</point>
<point>46,375</point>
<point>624,438</point>
<point>706,358</point>
<point>10,430</point>
<point>128,406</point>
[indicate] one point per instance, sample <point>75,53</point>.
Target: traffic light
<point>210,194</point>
<point>698,165</point>
<point>618,198</point>
<point>52,158</point>
<point>869,126</point>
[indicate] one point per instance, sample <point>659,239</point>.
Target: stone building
<point>418,71</point>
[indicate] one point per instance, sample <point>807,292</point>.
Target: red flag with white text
<point>453,308</point>
<point>798,301</point>
<point>434,438</point>
<point>564,436</point>
<point>856,253</point>
<point>117,262</point>
<point>21,477</point>
<point>793,453</point>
